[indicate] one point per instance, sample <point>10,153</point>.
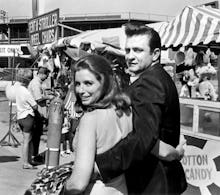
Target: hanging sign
<point>44,28</point>
<point>10,50</point>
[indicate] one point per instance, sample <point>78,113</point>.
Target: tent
<point>111,39</point>
<point>193,26</point>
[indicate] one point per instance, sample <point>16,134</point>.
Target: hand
<point>180,149</point>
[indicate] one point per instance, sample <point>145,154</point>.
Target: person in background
<point>65,139</point>
<point>35,87</point>
<point>156,116</point>
<point>106,119</point>
<point>26,105</point>
<point>181,72</point>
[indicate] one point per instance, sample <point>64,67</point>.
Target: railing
<point>200,118</point>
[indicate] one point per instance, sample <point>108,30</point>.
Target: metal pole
<point>9,42</point>
<point>34,8</point>
<point>70,28</point>
<point>62,31</point>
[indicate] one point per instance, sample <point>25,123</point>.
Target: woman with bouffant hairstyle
<point>105,120</point>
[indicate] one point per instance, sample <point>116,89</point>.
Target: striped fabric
<point>193,26</point>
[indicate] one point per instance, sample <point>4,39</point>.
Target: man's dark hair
<point>132,29</point>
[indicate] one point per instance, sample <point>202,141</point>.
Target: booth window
<point>186,116</point>
<point>209,122</point>
<point>25,50</point>
<point>200,117</point>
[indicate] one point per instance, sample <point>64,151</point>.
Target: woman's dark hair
<point>102,70</point>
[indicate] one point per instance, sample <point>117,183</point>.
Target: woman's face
<point>87,87</point>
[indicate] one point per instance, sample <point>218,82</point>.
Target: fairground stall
<point>199,29</point>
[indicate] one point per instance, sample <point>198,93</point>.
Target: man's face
<point>138,56</point>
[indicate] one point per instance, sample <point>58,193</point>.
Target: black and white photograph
<point>102,97</point>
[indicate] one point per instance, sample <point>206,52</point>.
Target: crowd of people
<point>125,134</point>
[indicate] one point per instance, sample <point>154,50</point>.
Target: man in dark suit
<point>156,116</point>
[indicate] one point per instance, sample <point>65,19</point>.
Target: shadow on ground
<point>3,121</point>
<point>4,159</point>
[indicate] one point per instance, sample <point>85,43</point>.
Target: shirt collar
<point>133,78</point>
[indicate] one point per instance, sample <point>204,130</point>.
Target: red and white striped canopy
<point>193,26</point>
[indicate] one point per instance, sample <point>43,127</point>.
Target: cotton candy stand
<point>55,122</point>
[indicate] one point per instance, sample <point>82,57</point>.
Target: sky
<point>23,8</point>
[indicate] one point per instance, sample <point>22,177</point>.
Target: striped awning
<point>193,26</point>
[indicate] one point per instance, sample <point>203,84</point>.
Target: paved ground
<point>13,179</point>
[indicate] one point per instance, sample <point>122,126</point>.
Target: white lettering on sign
<point>35,39</point>
<point>43,29</point>
<point>33,26</point>
<point>48,22</point>
<point>43,23</point>
<point>48,36</point>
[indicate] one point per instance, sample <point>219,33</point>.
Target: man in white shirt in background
<point>35,87</point>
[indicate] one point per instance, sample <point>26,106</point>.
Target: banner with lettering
<point>201,164</point>
<point>44,28</point>
<point>10,50</point>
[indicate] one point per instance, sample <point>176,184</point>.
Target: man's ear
<point>156,54</point>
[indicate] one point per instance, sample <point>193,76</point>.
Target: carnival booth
<point>199,28</point>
